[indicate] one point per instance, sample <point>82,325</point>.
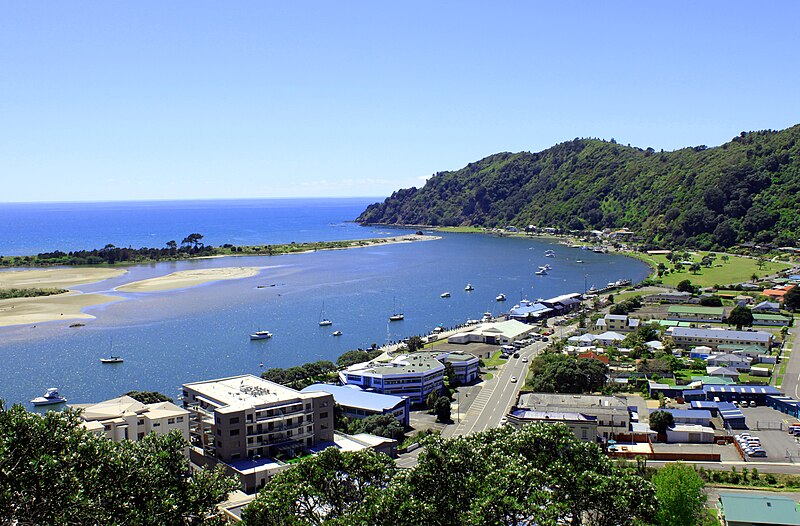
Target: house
<point>690,434</point>
<point>608,338</point>
<point>771,320</point>
<point>778,292</point>
<point>723,372</point>
<point>125,418</point>
<point>757,510</point>
<point>359,404</point>
<point>732,361</point>
<point>591,355</point>
<point>245,422</point>
<point>610,412</point>
<point>767,306</point>
<point>687,337</point>
<point>584,340</point>
<point>617,323</point>
<point>743,300</point>
<point>696,314</point>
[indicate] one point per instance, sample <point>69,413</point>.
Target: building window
<point>234,420</point>
<point>234,432</point>
<point>323,415</point>
<point>156,424</point>
<point>308,407</point>
<point>170,420</point>
<point>308,429</point>
<point>140,422</point>
<point>180,419</point>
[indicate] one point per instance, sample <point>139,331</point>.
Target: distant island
<point>746,190</point>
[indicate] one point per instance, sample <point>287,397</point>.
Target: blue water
<point>170,338</point>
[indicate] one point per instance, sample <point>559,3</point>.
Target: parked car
<point>752,403</point>
<point>758,453</point>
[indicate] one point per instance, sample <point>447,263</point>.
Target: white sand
<point>189,278</point>
<point>22,311</point>
<point>60,278</point>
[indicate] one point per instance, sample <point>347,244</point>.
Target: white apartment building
<point>124,418</point>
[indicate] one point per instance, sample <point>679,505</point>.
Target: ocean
<point>174,337</point>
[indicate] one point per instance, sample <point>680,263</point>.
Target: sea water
<point>173,337</point>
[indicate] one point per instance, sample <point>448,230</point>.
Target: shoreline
<point>70,305</point>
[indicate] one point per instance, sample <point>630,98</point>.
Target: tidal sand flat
<point>189,278</point>
<point>67,306</point>
<point>62,278</point>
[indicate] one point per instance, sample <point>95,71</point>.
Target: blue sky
<point>171,100</point>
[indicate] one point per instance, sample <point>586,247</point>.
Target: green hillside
<point>745,190</point>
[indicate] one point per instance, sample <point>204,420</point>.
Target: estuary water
<point>173,337</point>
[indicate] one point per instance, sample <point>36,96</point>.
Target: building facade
<point>687,337</point>
<point>125,418</point>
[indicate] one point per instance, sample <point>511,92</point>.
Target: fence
<point>770,425</point>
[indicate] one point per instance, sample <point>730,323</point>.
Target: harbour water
<point>169,338</point>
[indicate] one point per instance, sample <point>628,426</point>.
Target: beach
<point>57,278</point>
<point>188,278</point>
<point>23,311</point>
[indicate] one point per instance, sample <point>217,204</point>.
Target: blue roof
<point>525,309</point>
<point>357,398</point>
<point>693,392</point>
<point>686,413</point>
<point>728,411</point>
<point>702,404</point>
<point>742,389</point>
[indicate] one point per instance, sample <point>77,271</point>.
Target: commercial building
<point>669,297</point>
<point>696,314</point>
<point>688,416</point>
<point>784,404</point>
<point>412,375</point>
<point>757,510</point>
<point>528,311</point>
<point>247,417</point>
<point>688,337</point>
<point>690,434</point>
<point>497,333</point>
<point>356,403</point>
<point>125,418</point>
<point>584,427</point>
<point>611,413</point>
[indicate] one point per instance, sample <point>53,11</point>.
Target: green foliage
<point>711,301</point>
<point>148,397</point>
<point>679,490</point>
<point>740,316</point>
<point>744,190</point>
<point>53,471</point>
<point>442,409</point>
<point>558,373</point>
<point>685,286</point>
<point>626,306</point>
<point>357,356</point>
<point>379,425</point>
<point>300,376</point>
<point>661,420</point>
<point>791,300</point>
<point>540,474</point>
<point>6,294</point>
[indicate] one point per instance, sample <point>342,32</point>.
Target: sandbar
<point>23,311</point>
<point>62,278</point>
<point>188,278</point>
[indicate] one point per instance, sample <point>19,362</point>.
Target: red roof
<point>593,355</point>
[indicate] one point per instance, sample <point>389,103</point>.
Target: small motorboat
<point>444,295</point>
<point>261,335</point>
<point>51,397</point>
<point>541,272</point>
<point>501,297</point>
<point>487,316</point>
<point>336,333</point>
<point>396,317</point>
<point>112,359</point>
<point>469,287</point>
<point>578,261</point>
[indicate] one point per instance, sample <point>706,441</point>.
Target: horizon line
<point>189,199</point>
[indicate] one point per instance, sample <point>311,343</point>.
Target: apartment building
<point>247,417</point>
<point>687,337</point>
<point>125,418</point>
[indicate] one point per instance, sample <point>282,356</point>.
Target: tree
<point>325,488</point>
<point>791,300</point>
<point>148,397</point>
<point>740,316</point>
<point>193,240</point>
<point>681,499</point>
<point>442,408</point>
<point>685,286</point>
<point>660,421</point>
<point>725,258</point>
<point>694,268</point>
<point>711,301</point>
<point>53,471</point>
<point>383,426</point>
<point>414,343</point>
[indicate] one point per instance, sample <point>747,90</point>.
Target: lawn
<point>737,269</point>
<point>495,360</point>
<point>468,229</point>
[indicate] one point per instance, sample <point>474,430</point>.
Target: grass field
<point>495,360</point>
<point>736,270</point>
<point>468,229</point>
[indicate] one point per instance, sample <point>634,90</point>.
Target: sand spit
<point>188,278</point>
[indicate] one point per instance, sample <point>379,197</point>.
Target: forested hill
<point>745,190</point>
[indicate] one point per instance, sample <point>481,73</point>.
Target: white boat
<point>501,297</point>
<point>323,320</point>
<point>261,335</point>
<point>398,315</point>
<point>336,333</point>
<point>550,254</point>
<point>578,261</point>
<point>547,266</point>
<point>51,397</point>
<point>469,287</point>
<point>112,359</point>
<point>541,272</point>
<point>444,295</point>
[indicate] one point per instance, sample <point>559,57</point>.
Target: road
<point>791,379</point>
<point>500,393</point>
